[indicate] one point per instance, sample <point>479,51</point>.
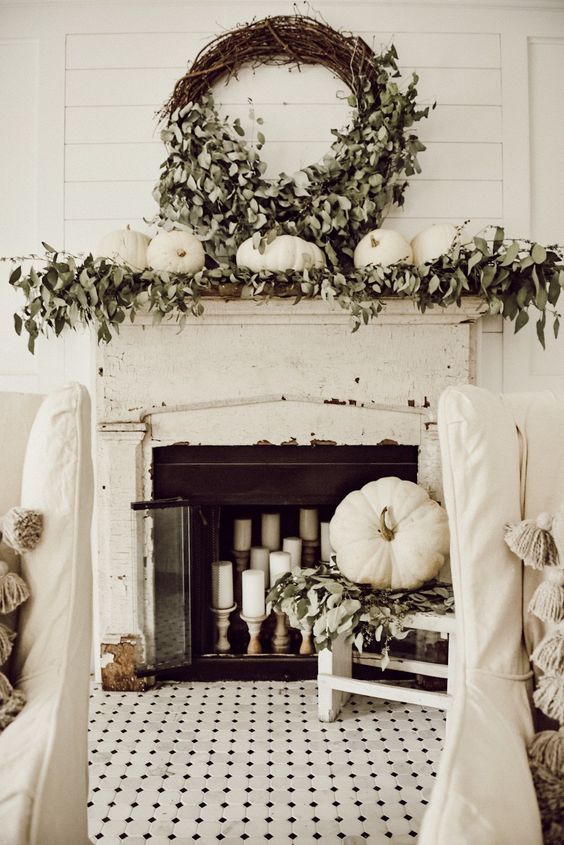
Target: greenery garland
<point>508,276</point>
<point>334,606</point>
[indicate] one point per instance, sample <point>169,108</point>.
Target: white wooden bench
<point>335,682</point>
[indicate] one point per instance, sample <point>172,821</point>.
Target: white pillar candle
<point>242,529</point>
<point>309,524</point>
<point>326,549</point>
<point>293,545</point>
<point>270,533</point>
<point>222,584</point>
<point>253,593</point>
<point>260,560</point>
<point>280,562</point>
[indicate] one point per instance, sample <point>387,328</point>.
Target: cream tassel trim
<point>13,590</point>
<point>547,748</point>
<point>532,541</point>
<point>549,654</point>
<point>549,697</point>
<point>547,602</point>
<point>21,529</point>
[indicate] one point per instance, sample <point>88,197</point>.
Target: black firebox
<point>199,491</point>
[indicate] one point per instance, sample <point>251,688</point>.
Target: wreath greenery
<point>212,181</point>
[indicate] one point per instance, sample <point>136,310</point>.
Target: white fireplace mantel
<point>249,373</point>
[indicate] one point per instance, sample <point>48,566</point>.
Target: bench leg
<point>338,661</point>
<point>451,677</point>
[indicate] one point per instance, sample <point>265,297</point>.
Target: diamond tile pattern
<point>250,763</point>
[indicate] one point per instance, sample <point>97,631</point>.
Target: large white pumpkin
<point>125,246</point>
<point>286,252</point>
<point>389,534</point>
<point>176,252</point>
<point>431,242</point>
<point>381,246</point>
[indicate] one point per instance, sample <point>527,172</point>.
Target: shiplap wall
<point>81,83</point>
<point>116,83</point>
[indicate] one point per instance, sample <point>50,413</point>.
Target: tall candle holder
<point>306,646</point>
<point>222,645</point>
<point>281,637</point>
<point>253,624</point>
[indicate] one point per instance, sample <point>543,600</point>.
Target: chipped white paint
<point>246,373</point>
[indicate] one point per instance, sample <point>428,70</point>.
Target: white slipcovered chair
<point>43,753</point>
<point>503,460</point>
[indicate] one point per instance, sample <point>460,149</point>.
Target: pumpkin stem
<point>373,241</point>
<point>181,253</point>
<point>386,532</point>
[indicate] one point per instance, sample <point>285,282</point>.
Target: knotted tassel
<point>21,529</point>
<point>13,589</point>
<point>547,748</point>
<point>549,654</point>
<point>549,697</point>
<point>7,638</point>
<point>547,602</point>
<point>532,541</point>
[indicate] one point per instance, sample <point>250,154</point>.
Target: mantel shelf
<point>280,310</point>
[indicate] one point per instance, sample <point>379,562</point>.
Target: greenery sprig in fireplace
<point>333,606</point>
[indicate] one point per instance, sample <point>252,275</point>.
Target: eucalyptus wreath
<point>212,181</point>
<point>333,606</point>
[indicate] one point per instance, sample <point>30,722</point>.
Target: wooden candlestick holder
<point>306,646</point>
<point>222,645</point>
<point>281,637</point>
<point>253,624</point>
<point>310,556</point>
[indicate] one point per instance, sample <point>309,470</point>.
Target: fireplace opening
<point>208,502</point>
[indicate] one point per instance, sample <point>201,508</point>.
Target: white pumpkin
<point>382,246</point>
<point>286,252</point>
<point>389,534</point>
<point>125,246</point>
<point>431,242</point>
<point>176,252</point>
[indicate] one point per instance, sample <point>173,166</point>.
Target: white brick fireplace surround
<point>245,374</point>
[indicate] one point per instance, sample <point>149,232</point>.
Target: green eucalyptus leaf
<point>522,320</point>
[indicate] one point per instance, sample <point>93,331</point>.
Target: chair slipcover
<point>503,460</point>
<point>43,752</point>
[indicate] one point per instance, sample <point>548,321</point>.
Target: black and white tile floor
<point>250,763</point>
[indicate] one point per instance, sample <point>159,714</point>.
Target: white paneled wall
<point>528,367</point>
<point>81,85</point>
<point>116,83</point>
